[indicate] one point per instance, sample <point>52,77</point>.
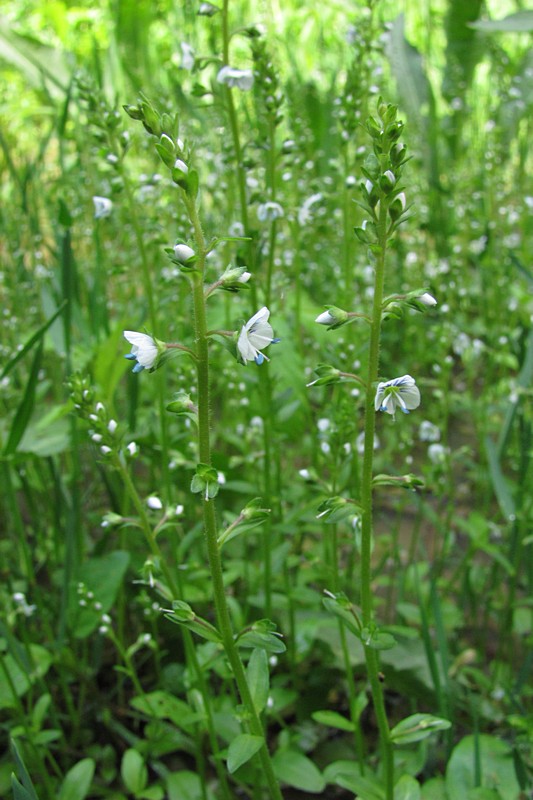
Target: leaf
<point>417,727</point>
<point>43,67</point>
<point>77,781</point>
<point>31,341</point>
<point>413,85</point>
<point>333,720</point>
<point>266,641</point>
<point>242,749</point>
<point>103,576</point>
<point>499,482</point>
<point>341,607</point>
<point>20,792</point>
<point>496,767</point>
<point>407,788</point>
<point>25,409</point>
<point>521,22</point>
<point>16,677</point>
<point>258,678</point>
<point>163,705</point>
<point>298,771</point>
<point>186,785</point>
<point>26,790</point>
<point>133,771</point>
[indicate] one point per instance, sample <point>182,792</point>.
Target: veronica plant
<point>384,202</point>
<point>247,345</point>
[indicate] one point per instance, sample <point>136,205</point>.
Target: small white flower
<point>154,503</point>
<point>105,450</point>
<point>360,443</point>
<point>427,299</point>
<point>112,426</point>
<point>255,335</point>
<point>268,212</point>
<point>236,78</point>
<point>144,350</point>
<point>438,453</point>
<point>102,207</point>
<point>399,392</point>
<point>236,229</point>
<point>187,56</point>
<point>305,213</point>
<point>428,432</point>
<point>132,448</point>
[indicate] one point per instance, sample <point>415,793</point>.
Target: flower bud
<point>183,253</point>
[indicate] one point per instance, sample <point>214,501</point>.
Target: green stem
<point>208,506</point>
<point>372,662</point>
<point>148,290</point>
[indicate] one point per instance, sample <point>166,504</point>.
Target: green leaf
<point>499,482</point>
<point>182,614</point>
<point>333,720</point>
<point>35,337</point>
<point>345,610</point>
<point>417,727</point>
<point>133,771</point>
<point>298,771</point>
<point>186,785</point>
<point>407,788</point>
<point>77,781</point>
<point>26,790</point>
<point>258,678</point>
<point>42,66</point>
<point>242,749</point>
<point>521,22</point>
<point>163,705</point>
<point>496,767</point>
<point>376,639</point>
<point>25,409</point>
<point>19,791</point>
<point>266,641</point>
<point>15,677</point>
<point>103,576</point>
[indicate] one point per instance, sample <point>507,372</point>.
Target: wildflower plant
<point>254,336</point>
<point>384,202</point>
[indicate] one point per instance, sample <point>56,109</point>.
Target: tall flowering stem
<point>209,514</point>
<point>385,202</point>
<point>372,663</point>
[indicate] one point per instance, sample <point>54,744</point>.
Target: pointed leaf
<point>295,769</point>
<point>242,749</point>
<point>77,781</point>
<point>258,678</point>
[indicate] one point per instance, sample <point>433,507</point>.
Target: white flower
<point>427,299</point>
<point>187,56</point>
<point>269,211</point>
<point>438,453</point>
<point>305,213</point>
<point>154,503</point>
<point>402,392</point>
<point>239,78</point>
<point>102,207</point>
<point>254,336</point>
<point>428,432</point>
<point>132,448</point>
<point>144,350</point>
